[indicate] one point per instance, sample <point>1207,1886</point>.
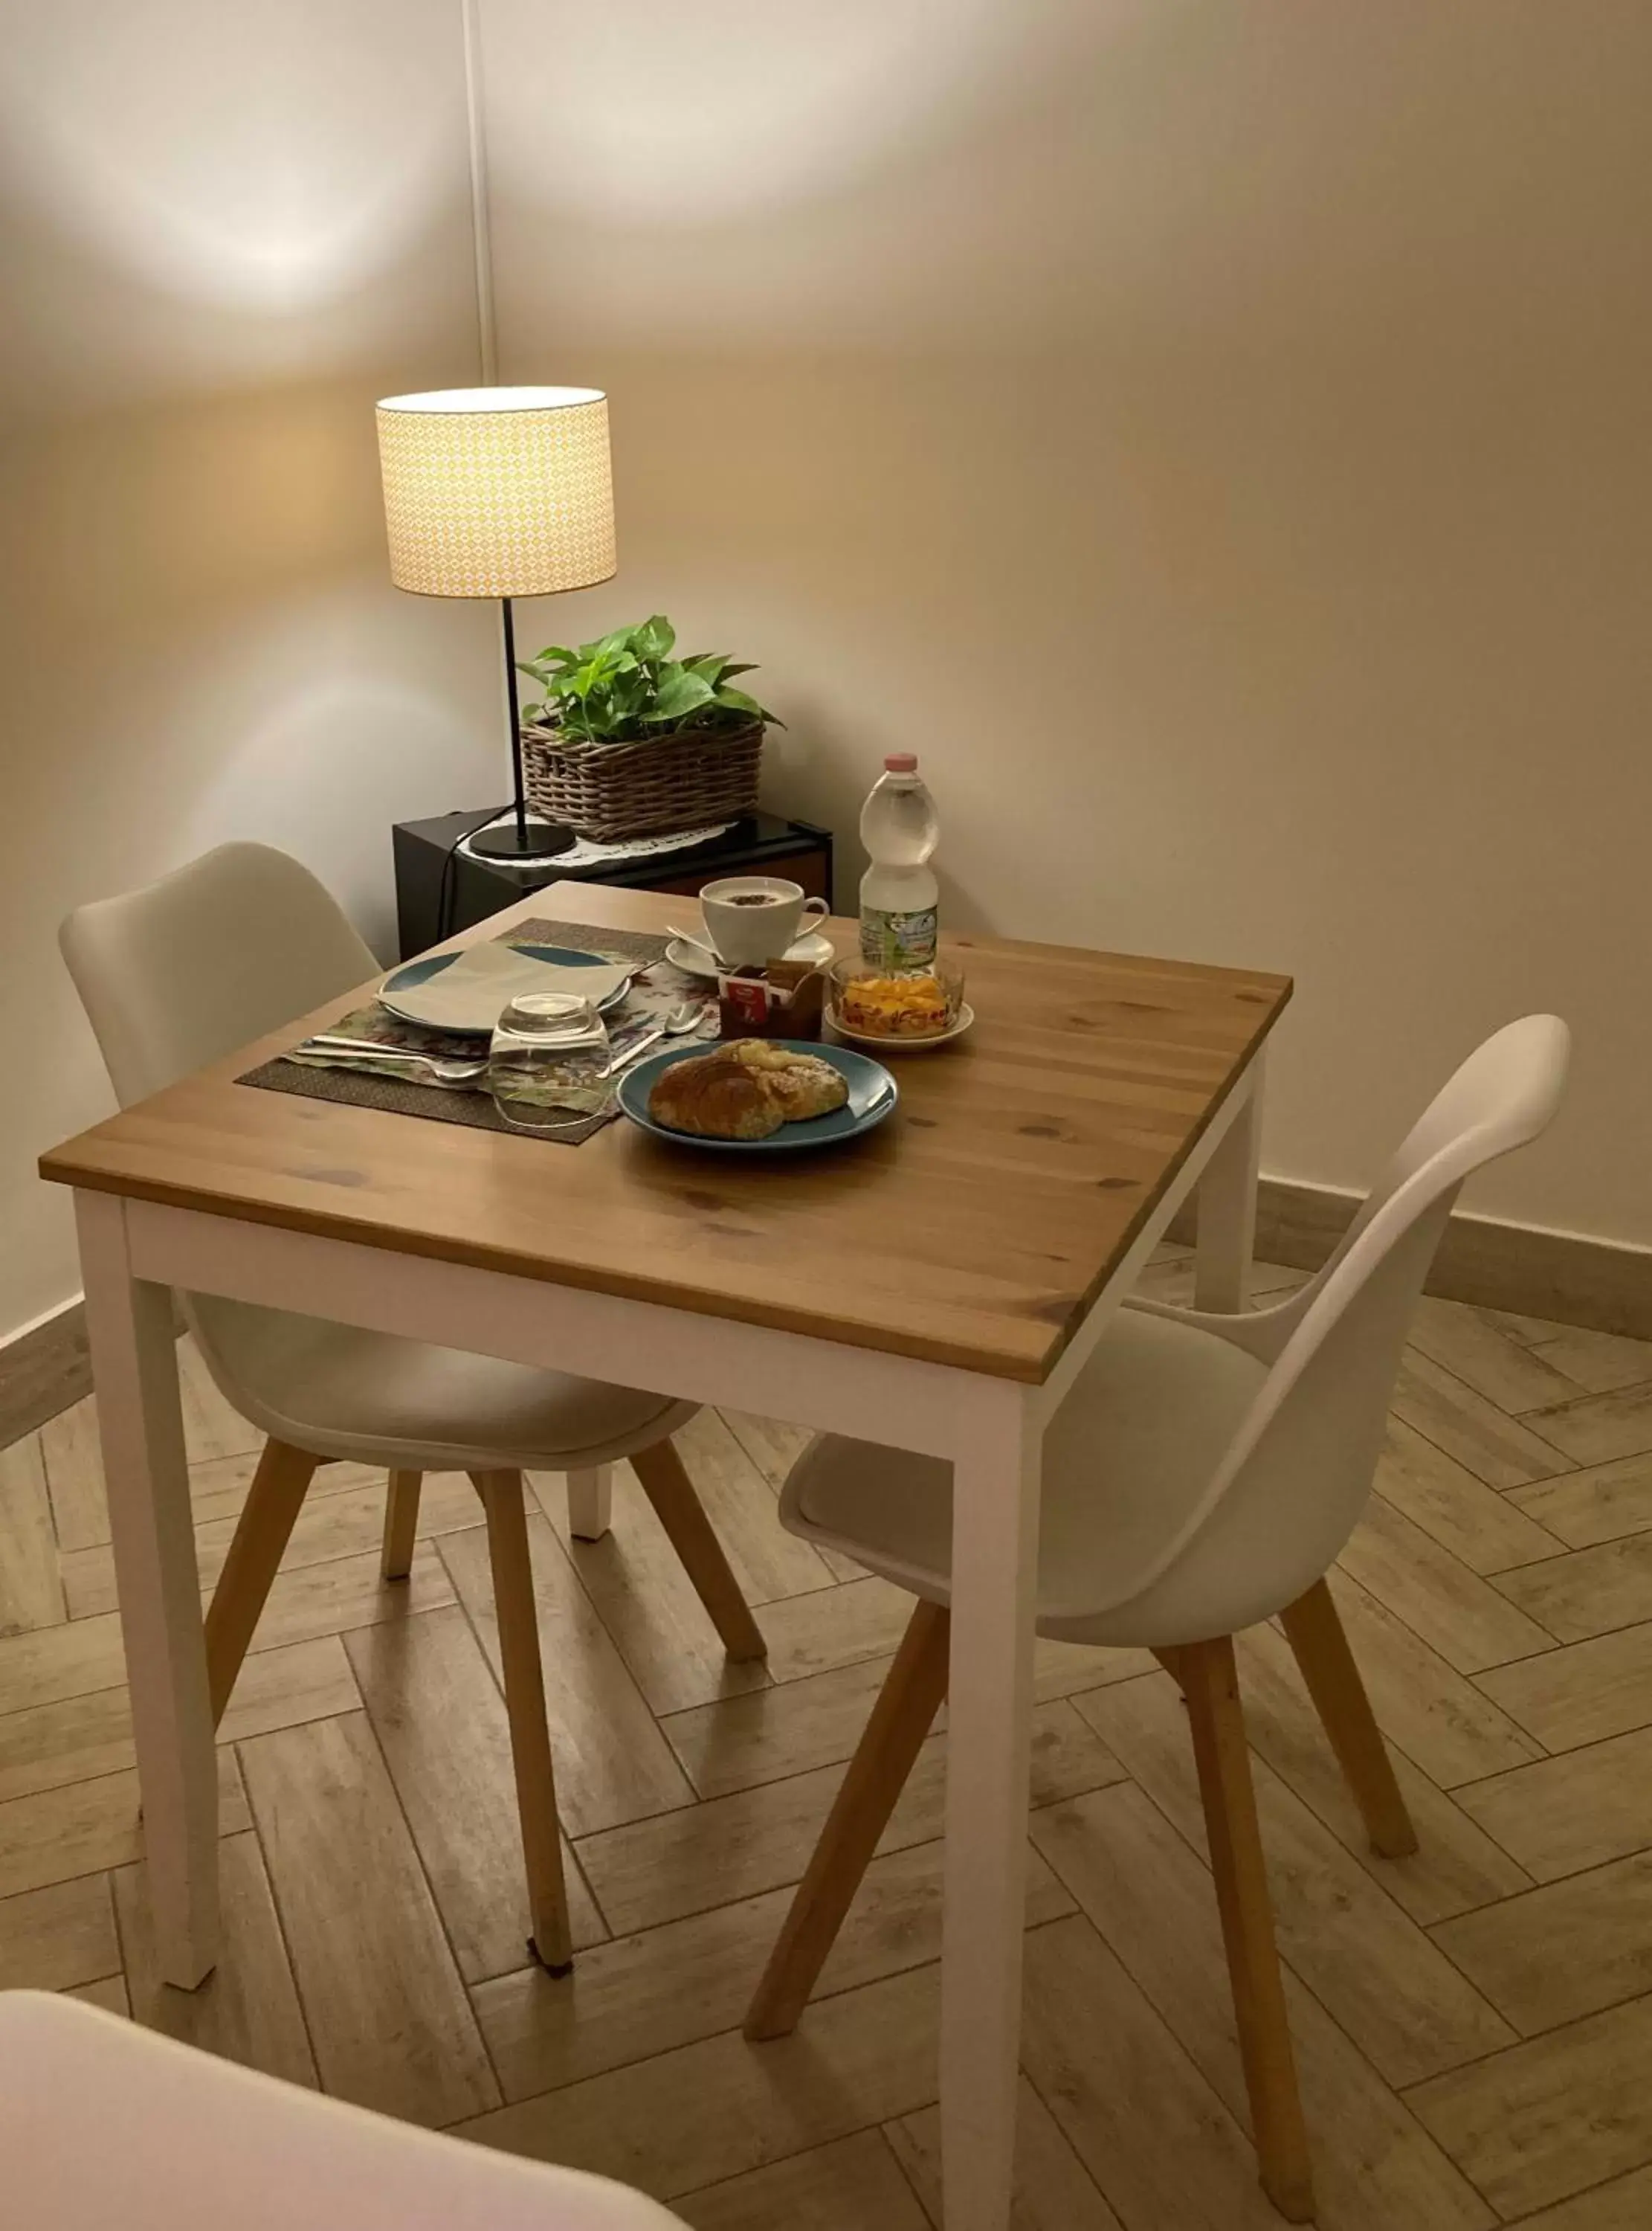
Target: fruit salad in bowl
<point>882,1008</point>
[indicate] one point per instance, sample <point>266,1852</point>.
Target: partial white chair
<point>102,2122</point>
<point>1203,1475</point>
<point>191,968</point>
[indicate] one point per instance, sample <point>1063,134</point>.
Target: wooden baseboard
<point>1532,1273</point>
<point>41,1372</point>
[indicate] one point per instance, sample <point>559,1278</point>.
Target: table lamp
<point>499,492</point>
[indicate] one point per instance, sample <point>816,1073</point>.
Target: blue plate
<point>872,1096</point>
<point>415,972</point>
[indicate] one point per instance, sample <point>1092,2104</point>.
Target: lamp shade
<point>497,491</point>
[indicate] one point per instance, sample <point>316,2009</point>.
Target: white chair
<point>102,2122</point>
<point>1203,1475</point>
<point>190,969</point>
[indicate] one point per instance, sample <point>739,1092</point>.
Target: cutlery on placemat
<point>678,1024</point>
<point>338,1051</point>
<point>369,1053</point>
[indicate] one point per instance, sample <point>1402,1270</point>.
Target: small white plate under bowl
<point>814,949</point>
<point>965,1020</point>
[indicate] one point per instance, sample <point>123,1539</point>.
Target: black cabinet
<point>440,888</point>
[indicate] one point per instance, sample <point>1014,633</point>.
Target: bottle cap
<point>901,763</point>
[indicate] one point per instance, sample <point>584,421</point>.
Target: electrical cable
<point>446,890</point>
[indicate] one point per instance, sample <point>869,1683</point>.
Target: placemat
<point>664,987</point>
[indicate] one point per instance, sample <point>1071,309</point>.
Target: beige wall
<point>225,229</point>
<point>1215,435</point>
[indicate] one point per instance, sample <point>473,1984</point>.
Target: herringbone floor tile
<point>1473,2024</point>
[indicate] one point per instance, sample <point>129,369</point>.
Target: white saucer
<point>814,949</point>
<point>890,1045</point>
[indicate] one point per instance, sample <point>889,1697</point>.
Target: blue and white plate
<point>415,972</point>
<point>872,1096</point>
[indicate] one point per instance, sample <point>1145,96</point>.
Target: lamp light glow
<point>497,491</point>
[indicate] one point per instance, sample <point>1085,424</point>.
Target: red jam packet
<point>785,1000</point>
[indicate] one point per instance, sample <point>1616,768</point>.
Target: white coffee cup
<point>751,919</point>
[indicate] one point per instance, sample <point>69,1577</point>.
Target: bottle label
<point>897,941</point>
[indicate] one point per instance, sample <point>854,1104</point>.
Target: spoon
<point>678,1024</point>
<point>687,937</point>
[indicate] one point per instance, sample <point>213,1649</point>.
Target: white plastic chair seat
<point>103,2123</point>
<point>1126,1458</point>
<point>376,1399</point>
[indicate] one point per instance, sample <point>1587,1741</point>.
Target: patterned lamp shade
<point>497,491</point>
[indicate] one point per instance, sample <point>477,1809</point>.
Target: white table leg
<point>134,1372</point>
<point>1227,1198</point>
<point>590,1503</point>
<point>995,1559</point>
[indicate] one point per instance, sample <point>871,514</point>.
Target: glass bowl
<point>876,1007</point>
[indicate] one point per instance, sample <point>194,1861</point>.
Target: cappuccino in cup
<point>753,919</point>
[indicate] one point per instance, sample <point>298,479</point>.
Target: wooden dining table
<point>936,1285</point>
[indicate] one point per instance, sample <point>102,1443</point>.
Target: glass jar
<point>874,1006</point>
<point>547,1063</point>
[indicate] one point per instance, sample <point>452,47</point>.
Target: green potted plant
<point>627,739</point>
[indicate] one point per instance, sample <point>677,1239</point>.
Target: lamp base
<point>540,841</point>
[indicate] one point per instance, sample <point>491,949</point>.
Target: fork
<point>345,1052</point>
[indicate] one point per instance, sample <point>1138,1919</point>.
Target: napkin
<point>470,994</point>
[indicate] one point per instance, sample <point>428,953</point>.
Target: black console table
<point>439,889</point>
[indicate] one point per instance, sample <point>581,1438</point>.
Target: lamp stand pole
<point>515,840</point>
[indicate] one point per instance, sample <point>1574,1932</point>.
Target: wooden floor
<point>1475,2024</point>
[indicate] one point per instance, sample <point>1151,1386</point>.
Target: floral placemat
<point>656,989</point>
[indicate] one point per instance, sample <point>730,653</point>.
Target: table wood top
<point>973,1228</point>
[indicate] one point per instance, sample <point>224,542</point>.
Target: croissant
<point>803,1083</point>
<point>716,1096</point>
<point>746,1089</point>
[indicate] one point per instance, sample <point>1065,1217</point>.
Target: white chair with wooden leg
<point>104,2123</point>
<point>1203,1475</point>
<point>184,972</point>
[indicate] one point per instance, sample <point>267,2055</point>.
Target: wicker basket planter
<point>610,791</point>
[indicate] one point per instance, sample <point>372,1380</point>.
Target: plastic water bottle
<point>899,890</point>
